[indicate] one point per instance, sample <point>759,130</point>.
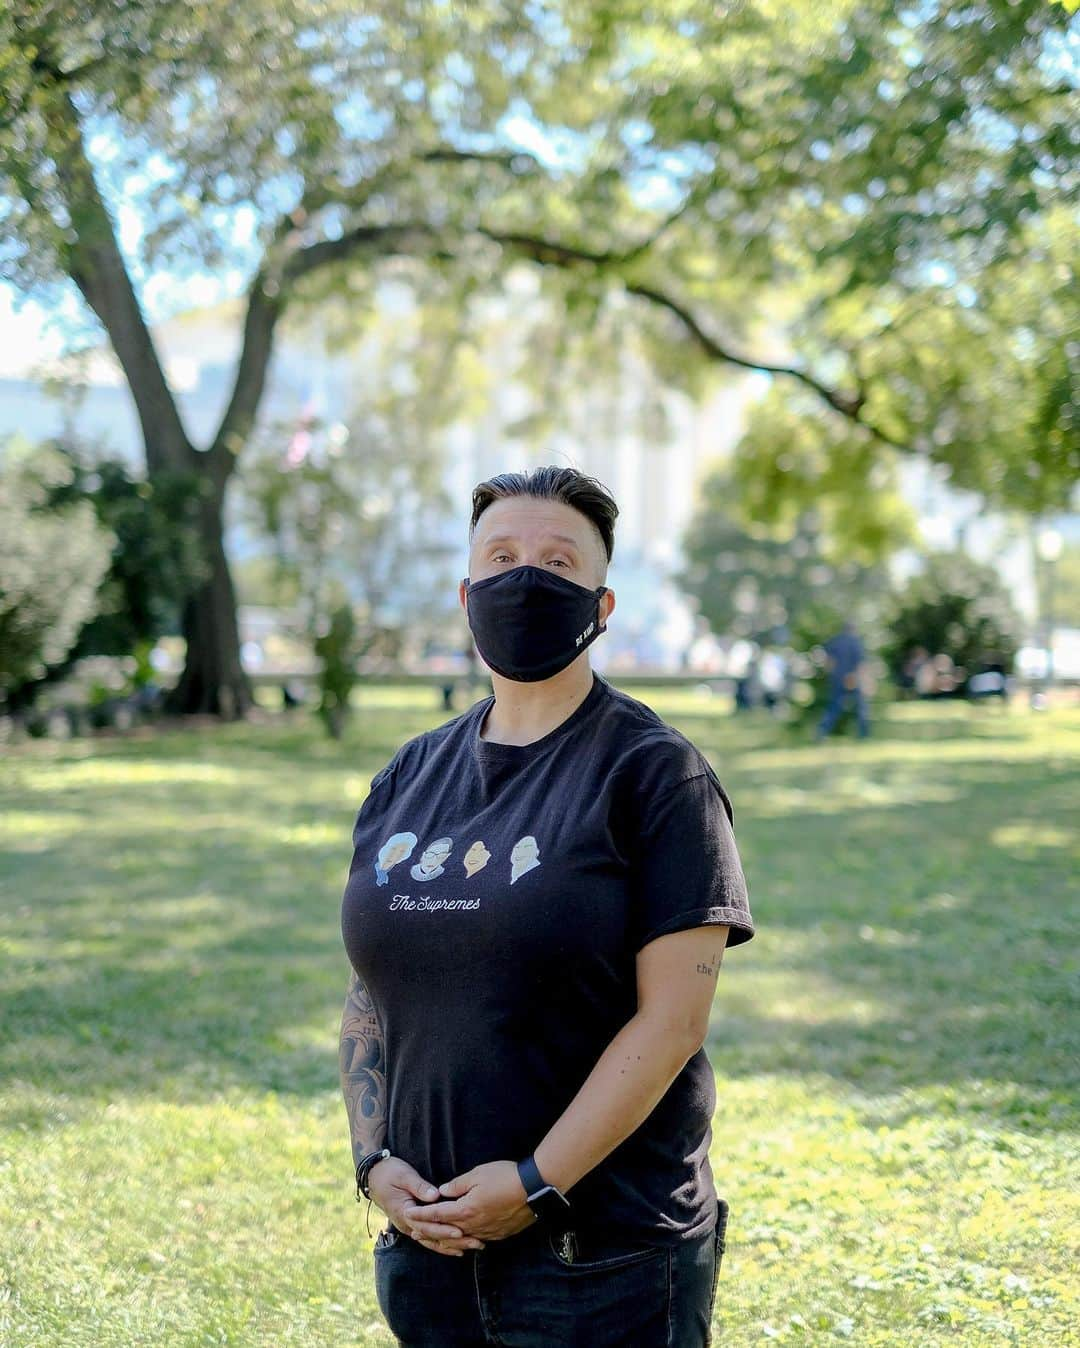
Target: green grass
<point>896,1063</point>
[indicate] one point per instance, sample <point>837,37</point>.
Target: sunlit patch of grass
<point>896,1052</point>
<point>1028,837</point>
<point>105,772</point>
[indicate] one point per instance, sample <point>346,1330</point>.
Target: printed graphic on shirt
<point>405,903</point>
<point>525,856</point>
<point>476,858</point>
<point>396,848</point>
<point>431,860</point>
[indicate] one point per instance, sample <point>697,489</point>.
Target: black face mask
<point>529,623</point>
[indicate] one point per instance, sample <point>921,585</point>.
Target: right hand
<point>395,1185</point>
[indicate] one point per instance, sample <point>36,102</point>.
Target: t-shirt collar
<point>520,752</point>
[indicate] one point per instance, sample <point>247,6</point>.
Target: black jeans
<point>538,1290</point>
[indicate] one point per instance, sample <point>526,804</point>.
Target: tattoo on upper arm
<point>362,1065</point>
<point>714,963</point>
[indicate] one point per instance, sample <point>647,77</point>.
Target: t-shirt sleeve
<point>382,778</point>
<point>686,870</point>
<point>379,791</point>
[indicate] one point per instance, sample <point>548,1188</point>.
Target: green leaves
<point>51,563</point>
<point>954,607</point>
<point>796,457</point>
<point>753,579</point>
<point>883,201</point>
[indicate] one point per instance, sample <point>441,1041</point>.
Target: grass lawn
<point>896,1130</point>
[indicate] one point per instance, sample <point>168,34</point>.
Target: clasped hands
<point>485,1203</point>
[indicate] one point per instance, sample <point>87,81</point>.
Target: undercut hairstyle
<point>586,494</point>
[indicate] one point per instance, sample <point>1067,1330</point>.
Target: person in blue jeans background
<point>540,896</point>
<point>846,657</point>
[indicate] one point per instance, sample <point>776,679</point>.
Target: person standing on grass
<point>846,657</point>
<point>521,1050</point>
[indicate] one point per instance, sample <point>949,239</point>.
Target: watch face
<point>550,1205</point>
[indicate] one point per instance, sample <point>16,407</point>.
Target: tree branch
<point>549,253</point>
<point>409,239</point>
<point>268,298</point>
<point>265,305</point>
<point>97,267</point>
<point>840,402</point>
<point>552,253</point>
<point>514,160</point>
<point>354,199</point>
<point>268,295</point>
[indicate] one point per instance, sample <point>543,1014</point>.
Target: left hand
<point>487,1202</point>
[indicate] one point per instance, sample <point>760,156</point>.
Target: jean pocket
<point>719,1242</point>
<point>388,1237</point>
<point>720,1235</point>
<point>593,1256</point>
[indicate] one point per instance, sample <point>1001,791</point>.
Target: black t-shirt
<point>496,900</point>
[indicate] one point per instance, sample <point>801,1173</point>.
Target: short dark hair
<point>586,494</point>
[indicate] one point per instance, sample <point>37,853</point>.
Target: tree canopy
<point>875,204</point>
<point>764,587</point>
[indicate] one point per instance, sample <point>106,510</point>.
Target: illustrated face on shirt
<point>431,860</point>
<point>524,857</point>
<point>395,849</point>
<point>476,858</point>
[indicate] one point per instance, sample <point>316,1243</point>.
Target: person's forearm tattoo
<point>362,1067</point>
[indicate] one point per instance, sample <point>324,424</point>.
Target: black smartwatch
<point>550,1205</point>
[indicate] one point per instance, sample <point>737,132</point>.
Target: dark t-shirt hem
<point>632,1232</point>
<point>735,918</point>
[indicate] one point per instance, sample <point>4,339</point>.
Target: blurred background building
<point>655,480</point>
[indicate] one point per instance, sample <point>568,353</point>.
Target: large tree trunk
<point>213,681</point>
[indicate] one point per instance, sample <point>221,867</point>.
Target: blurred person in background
<point>522,1044</point>
<point>845,659</point>
<point>774,680</point>
<point>744,665</point>
<point>914,663</point>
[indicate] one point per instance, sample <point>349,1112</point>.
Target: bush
<point>52,561</point>
<point>115,599</point>
<point>956,607</point>
<point>336,649</point>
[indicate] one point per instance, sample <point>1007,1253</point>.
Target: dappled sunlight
<point>945,902</point>
<point>836,793</point>
<point>890,936</point>
<point>306,835</point>
<point>354,788</point>
<point>107,772</point>
<point>893,1040</point>
<point>866,757</point>
<point>806,998</point>
<point>394,698</point>
<point>1026,838</point>
<point>36,830</point>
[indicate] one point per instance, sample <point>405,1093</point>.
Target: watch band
<point>530,1176</point>
<point>549,1204</point>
